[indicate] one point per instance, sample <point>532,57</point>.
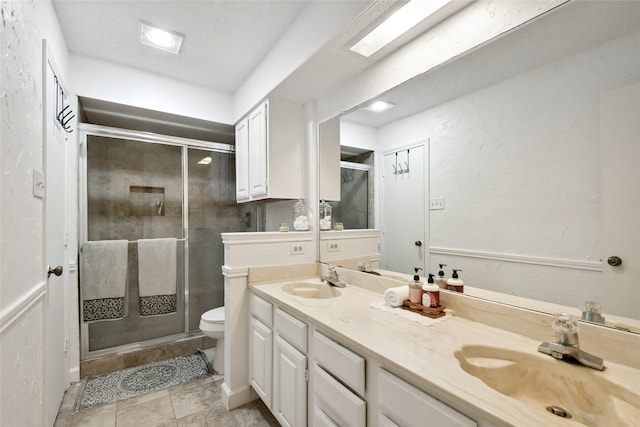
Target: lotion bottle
<point>441,281</point>
<point>415,288</point>
<point>431,295</point>
<point>455,283</point>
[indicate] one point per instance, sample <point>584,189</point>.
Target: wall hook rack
<point>64,113</point>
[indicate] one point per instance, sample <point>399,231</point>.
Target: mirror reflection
<point>509,163</point>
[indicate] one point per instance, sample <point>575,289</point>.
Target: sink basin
<point>542,382</point>
<point>311,290</point>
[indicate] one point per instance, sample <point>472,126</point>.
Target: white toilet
<point>212,325</point>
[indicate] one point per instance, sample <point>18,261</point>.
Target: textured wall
<point>21,235</point>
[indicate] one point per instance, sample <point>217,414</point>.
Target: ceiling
<point>539,42</point>
<point>224,40</point>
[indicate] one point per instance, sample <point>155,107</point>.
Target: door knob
<point>418,243</point>
<point>614,261</point>
<point>54,270</point>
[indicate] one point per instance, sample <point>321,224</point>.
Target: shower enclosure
<point>355,208</point>
<point>136,185</point>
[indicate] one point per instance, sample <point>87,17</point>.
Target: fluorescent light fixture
<point>169,41</point>
<point>379,106</point>
<point>405,18</point>
<point>205,160</point>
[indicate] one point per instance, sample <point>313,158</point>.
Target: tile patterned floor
<point>194,404</point>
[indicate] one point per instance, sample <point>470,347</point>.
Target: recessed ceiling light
<point>205,160</point>
<point>379,106</point>
<point>405,18</point>
<point>169,41</point>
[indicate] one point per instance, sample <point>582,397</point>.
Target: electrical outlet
<point>436,203</point>
<point>296,248</point>
<point>333,247</point>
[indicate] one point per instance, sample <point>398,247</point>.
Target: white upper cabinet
<point>270,152</point>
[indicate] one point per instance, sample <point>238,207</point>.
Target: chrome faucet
<point>333,279</point>
<point>567,345</point>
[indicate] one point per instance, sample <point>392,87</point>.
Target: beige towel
<point>157,274</point>
<point>103,279</point>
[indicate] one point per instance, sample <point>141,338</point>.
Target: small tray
<point>433,312</point>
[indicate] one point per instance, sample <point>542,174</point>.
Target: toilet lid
<point>214,316</point>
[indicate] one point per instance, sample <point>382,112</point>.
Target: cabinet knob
<point>418,243</point>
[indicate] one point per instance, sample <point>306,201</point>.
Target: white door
<point>261,356</point>
<point>54,234</point>
<point>620,151</point>
<point>289,385</point>
<point>258,151</point>
<point>404,241</point>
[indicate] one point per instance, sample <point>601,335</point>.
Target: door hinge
<point>83,150</point>
<point>306,374</point>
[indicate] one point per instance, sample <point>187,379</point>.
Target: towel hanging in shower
<point>157,276</point>
<point>103,280</point>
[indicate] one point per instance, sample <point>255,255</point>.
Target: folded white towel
<point>395,296</point>
<point>157,275</point>
<point>103,279</point>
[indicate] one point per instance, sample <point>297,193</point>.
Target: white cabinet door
<point>261,356</point>
<point>289,384</point>
<point>258,151</point>
<point>242,160</point>
<point>336,401</point>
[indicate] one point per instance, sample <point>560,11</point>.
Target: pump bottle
<point>415,288</point>
<point>441,281</point>
<point>431,295</point>
<point>455,283</point>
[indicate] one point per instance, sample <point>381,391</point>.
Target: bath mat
<point>98,390</point>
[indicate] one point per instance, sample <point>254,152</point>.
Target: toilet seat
<point>213,316</point>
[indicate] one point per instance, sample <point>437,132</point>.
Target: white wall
<point>22,267</point>
<point>112,82</point>
<point>519,166</point>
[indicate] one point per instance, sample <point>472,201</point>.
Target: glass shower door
<point>135,191</point>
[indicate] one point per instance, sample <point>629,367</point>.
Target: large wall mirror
<point>518,162</point>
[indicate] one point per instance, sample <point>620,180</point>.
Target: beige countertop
<point>424,355</point>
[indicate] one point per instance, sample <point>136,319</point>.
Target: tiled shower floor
<point>197,403</point>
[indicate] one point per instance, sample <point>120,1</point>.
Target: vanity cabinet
<point>338,384</point>
<point>401,404</point>
<point>289,370</point>
<point>278,362</point>
<point>270,152</point>
<point>261,348</point>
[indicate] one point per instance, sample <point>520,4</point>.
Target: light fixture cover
<point>169,41</point>
<point>379,106</point>
<point>405,18</point>
<point>205,160</point>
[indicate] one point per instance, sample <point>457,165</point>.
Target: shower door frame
<point>86,130</point>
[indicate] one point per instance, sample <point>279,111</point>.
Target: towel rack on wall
<point>64,113</point>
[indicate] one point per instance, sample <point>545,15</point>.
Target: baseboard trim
<point>522,259</point>
<point>12,313</point>
<point>235,399</point>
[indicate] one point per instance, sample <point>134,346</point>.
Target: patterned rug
<point>97,390</point>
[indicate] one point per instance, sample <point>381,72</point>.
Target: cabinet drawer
<point>338,402</point>
<point>344,364</point>
<point>291,329</point>
<point>405,405</point>
<point>262,310</point>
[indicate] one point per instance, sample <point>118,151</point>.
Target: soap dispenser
<point>415,288</point>
<point>441,281</point>
<point>431,295</point>
<point>455,283</point>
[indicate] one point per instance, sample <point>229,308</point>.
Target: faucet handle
<point>566,328</point>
